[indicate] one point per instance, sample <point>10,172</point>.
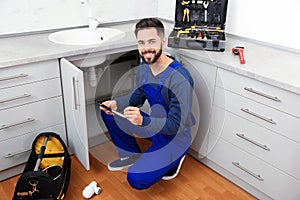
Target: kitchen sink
<point>86,36</point>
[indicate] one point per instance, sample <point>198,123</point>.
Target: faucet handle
<point>93,23</point>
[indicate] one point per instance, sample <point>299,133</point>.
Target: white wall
<point>166,9</point>
<point>17,16</point>
<point>271,21</point>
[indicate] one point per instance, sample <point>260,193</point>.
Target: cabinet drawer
<point>24,119</point>
<point>265,116</point>
<point>28,93</point>
<point>16,150</point>
<point>258,91</point>
<point>256,172</point>
<point>23,74</point>
<point>260,142</point>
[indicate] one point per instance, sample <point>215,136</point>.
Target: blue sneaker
<point>123,163</point>
<point>173,172</point>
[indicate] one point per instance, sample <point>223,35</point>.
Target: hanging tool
<point>186,14</point>
<point>205,5</point>
<point>41,154</point>
<point>183,2</point>
<point>238,50</point>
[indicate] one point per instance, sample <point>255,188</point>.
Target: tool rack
<point>199,25</point>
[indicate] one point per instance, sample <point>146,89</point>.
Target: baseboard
<point>11,172</point>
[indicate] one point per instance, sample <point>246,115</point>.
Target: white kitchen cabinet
<point>29,93</point>
<point>263,93</point>
<point>30,103</point>
<point>83,121</point>
<point>263,143</point>
<point>204,80</point>
<point>28,73</point>
<point>282,123</point>
<point>75,110</point>
<point>27,118</point>
<point>256,172</point>
<point>254,135</point>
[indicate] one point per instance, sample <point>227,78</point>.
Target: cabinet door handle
<point>16,124</point>
<point>262,94</point>
<point>9,155</point>
<point>76,104</point>
<point>15,98</point>
<point>13,77</point>
<point>237,164</point>
<point>265,147</point>
<point>246,110</point>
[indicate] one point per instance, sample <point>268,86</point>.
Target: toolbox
<point>199,25</point>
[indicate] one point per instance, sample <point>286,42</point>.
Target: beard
<point>151,60</point>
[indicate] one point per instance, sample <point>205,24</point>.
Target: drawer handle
<point>262,94</point>
<point>237,164</point>
<point>16,154</point>
<point>16,124</point>
<point>265,147</point>
<point>15,98</point>
<point>13,77</point>
<point>76,104</point>
<point>258,116</point>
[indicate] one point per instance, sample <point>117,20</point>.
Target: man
<point>168,88</point>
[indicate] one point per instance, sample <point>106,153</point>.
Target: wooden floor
<point>195,182</point>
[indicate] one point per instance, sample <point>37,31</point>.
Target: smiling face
<point>150,45</point>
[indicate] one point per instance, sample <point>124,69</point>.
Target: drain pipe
<point>92,76</point>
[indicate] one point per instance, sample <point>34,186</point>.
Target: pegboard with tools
<point>199,25</point>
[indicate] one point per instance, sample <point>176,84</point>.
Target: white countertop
<point>37,47</point>
<point>270,65</point>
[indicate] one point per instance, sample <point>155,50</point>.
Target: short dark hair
<point>150,23</point>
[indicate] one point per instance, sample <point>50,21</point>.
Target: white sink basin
<point>85,36</point>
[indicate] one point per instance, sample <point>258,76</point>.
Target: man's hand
<point>111,104</point>
<point>133,115</point>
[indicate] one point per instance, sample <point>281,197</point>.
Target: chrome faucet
<point>93,21</point>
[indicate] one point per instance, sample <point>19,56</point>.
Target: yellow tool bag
<point>47,172</point>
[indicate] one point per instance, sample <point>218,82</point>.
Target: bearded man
<point>167,86</point>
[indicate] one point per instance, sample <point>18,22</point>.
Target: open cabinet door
<point>75,110</point>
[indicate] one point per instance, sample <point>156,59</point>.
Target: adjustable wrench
<point>205,5</point>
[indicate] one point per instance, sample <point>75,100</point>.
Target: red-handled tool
<point>239,51</point>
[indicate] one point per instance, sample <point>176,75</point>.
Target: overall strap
<point>165,75</point>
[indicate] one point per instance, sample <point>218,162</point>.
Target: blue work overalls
<point>166,150</point>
